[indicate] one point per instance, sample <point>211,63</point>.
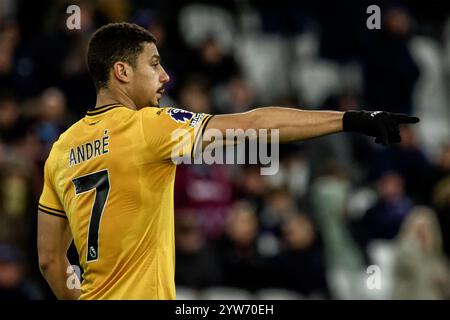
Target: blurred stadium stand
<point>338,204</point>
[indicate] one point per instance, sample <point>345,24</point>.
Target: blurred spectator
<point>241,262</point>
<point>251,53</point>
<point>9,38</point>
<point>420,270</point>
<point>53,119</point>
<point>273,205</point>
<point>441,196</point>
<point>301,265</point>
<point>390,72</point>
<point>76,82</point>
<point>193,94</point>
<point>12,124</point>
<point>384,218</point>
<point>197,265</point>
<point>208,191</point>
<point>294,171</point>
<point>13,284</point>
<point>212,62</point>
<point>330,194</point>
<point>278,204</point>
<point>205,189</point>
<point>409,160</point>
<point>234,96</point>
<point>251,185</point>
<point>15,189</point>
<point>11,228</point>
<point>7,10</point>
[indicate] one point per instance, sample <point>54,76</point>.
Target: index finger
<point>404,118</point>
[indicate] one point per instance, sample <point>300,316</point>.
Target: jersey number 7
<point>100,182</point>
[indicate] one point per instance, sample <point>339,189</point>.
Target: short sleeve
<point>49,201</point>
<point>173,133</point>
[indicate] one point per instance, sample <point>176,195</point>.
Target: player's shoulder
<point>168,113</point>
<point>64,137</point>
<point>68,132</point>
<point>150,111</point>
<point>154,111</point>
<point>159,113</point>
<point>168,110</point>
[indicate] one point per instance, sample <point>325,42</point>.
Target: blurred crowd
<point>338,204</point>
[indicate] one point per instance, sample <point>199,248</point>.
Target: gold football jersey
<point>112,174</point>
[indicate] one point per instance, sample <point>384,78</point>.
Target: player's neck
<point>106,97</point>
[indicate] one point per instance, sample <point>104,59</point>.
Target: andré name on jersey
<point>89,150</point>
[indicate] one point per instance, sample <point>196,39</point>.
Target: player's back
<point>113,180</point>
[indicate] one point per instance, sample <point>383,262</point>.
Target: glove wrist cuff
<point>350,120</point>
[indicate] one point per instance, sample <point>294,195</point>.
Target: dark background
<point>337,205</point>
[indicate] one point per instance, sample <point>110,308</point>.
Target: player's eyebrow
<point>156,57</point>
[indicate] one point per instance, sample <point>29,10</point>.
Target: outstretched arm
<point>54,238</point>
<point>296,125</point>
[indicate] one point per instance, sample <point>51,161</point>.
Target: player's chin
<point>156,99</point>
<point>154,103</point>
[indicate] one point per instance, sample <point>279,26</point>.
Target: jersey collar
<point>102,109</point>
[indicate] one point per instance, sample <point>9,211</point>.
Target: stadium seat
<point>430,98</point>
<point>305,46</point>
<point>264,59</point>
<point>315,81</point>
<point>382,255</point>
<point>199,22</point>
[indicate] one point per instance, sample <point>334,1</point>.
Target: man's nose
<point>164,78</point>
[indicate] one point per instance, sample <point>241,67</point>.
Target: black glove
<point>382,125</point>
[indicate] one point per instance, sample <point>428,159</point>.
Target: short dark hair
<point>115,42</point>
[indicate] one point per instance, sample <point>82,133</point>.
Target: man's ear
<point>122,71</point>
